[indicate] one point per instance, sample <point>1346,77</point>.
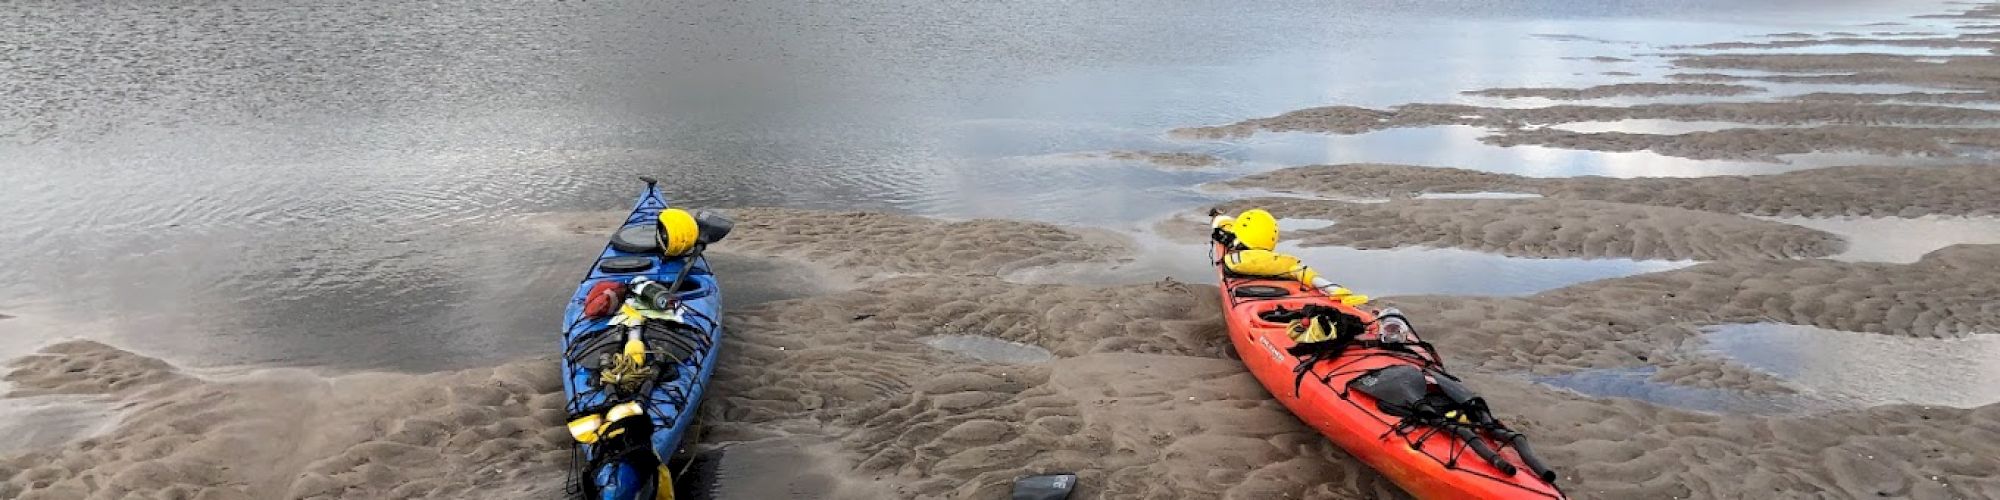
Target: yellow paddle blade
<point>585,429</point>
<point>666,491</point>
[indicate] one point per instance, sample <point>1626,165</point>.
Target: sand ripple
<point>1857,191</point>
<point>489,432</point>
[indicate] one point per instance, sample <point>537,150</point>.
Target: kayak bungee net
<point>1366,381</point>
<point>640,339</point>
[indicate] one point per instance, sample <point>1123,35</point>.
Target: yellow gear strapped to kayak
<point>1271,264</point>
<point>586,429</point>
<point>1306,331</point>
<point>629,368</point>
<point>678,232</point>
<point>1255,229</point>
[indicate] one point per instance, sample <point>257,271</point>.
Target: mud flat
<point>1765,144</point>
<point>292,434</point>
<point>1137,394</point>
<point>1951,72</point>
<point>1356,120</point>
<point>1176,160</point>
<point>1853,191</point>
<point>879,245</point>
<point>1984,97</point>
<point>1620,90</point>
<point>1553,228</point>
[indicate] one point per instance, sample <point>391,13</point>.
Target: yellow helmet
<point>1255,229</point>
<point>678,232</point>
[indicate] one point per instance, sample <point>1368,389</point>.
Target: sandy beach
<point>899,355</point>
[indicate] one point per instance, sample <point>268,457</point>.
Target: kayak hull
<point>671,404</point>
<point>1421,466</point>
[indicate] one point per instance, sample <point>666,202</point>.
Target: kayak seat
<point>667,343</point>
<point>677,342</point>
<point>1260,292</point>
<point>625,265</point>
<point>637,238</point>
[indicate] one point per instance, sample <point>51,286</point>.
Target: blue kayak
<point>629,410</point>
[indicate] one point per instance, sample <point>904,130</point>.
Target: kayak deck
<point>672,401</point>
<point>1425,461</point>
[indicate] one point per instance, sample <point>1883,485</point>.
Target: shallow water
<point>1653,126</point>
<point>331,183</point>
<point>1378,273</point>
<point>1867,368</point>
<point>27,423</point>
<point>1459,146</point>
<point>1638,383</point>
<point>1901,240</point>
<point>1870,48</point>
<point>1830,369</point>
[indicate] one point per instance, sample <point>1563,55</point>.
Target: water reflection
<point>1868,368</point>
<point>1459,146</point>
<point>990,349</point>
<point>1400,271</point>
<point>1638,383</point>
<point>1900,240</point>
<point>43,421</point>
<point>1653,126</point>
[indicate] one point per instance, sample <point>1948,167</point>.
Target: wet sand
<point>1355,120</point>
<point>1908,97</point>
<point>863,246</point>
<point>293,434</point>
<point>1766,144</point>
<point>1959,42</point>
<point>1550,228</point>
<point>1813,126</point>
<point>1952,72</point>
<point>1169,160</point>
<point>1142,399</point>
<point>1620,89</point>
<point>840,389</point>
<point>1854,191</point>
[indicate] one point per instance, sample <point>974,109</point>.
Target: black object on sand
<point>1044,487</point>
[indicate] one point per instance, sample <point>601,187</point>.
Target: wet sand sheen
<point>1140,382</point>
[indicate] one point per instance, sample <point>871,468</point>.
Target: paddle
<point>687,264</point>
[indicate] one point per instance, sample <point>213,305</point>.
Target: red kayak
<point>1384,398</point>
